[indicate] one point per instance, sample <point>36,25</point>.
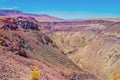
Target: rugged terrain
<point>94,45</point>
<point>62,50</point>
<point>23,42</point>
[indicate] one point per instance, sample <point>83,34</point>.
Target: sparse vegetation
<point>35,74</point>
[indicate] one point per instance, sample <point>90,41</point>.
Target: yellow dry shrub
<point>35,74</point>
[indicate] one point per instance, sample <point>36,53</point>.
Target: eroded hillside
<point>25,42</point>
<point>94,45</point>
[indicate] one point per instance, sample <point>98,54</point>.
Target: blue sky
<point>68,9</point>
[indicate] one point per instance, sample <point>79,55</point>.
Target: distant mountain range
<point>39,17</point>
<point>45,17</point>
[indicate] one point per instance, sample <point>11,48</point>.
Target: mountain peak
<point>10,11</point>
<point>39,17</point>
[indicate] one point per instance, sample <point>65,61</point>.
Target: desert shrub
<point>35,74</point>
